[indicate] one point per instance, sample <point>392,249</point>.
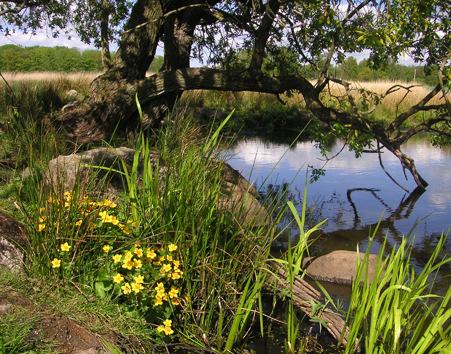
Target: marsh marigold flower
<point>138,252</point>
<point>106,248</point>
<point>138,279</point>
<point>137,263</point>
<point>118,278</point>
<point>173,292</point>
<point>56,263</point>
<point>65,247</point>
<point>137,287</point>
<point>41,227</point>
<point>128,265</point>
<point>126,289</point>
<point>172,247</point>
<point>165,327</point>
<point>150,254</point>
<point>117,258</point>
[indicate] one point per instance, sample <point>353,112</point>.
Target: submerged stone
<point>339,267</point>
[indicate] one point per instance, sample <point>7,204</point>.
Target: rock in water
<point>339,267</point>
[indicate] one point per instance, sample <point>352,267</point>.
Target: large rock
<point>338,267</point>
<point>239,196</point>
<point>12,239</point>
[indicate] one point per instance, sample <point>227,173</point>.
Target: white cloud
<point>44,38</point>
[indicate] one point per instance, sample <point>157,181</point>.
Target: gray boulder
<point>339,267</point>
<point>12,239</point>
<point>239,196</point>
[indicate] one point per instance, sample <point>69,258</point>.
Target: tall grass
<point>397,313</point>
<point>174,198</point>
<point>172,192</point>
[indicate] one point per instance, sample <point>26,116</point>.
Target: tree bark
<point>105,35</point>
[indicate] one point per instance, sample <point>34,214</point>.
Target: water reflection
<point>355,195</point>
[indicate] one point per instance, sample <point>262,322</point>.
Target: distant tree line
<point>15,58</point>
<point>350,69</point>
<point>284,62</point>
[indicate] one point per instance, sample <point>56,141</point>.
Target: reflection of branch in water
<point>403,211</point>
<point>354,207</point>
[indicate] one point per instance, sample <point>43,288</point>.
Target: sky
<point>44,38</point>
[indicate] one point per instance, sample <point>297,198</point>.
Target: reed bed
<point>49,76</point>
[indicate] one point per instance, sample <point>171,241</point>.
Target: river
<point>355,193</point>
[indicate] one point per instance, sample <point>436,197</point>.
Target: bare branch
<point>386,172</point>
<point>400,119</point>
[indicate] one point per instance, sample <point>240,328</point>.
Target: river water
<point>354,194</point>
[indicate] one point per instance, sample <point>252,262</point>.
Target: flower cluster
<point>87,214</point>
<point>69,218</point>
<point>151,276</point>
<point>145,277</point>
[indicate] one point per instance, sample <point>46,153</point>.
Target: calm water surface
<point>354,194</point>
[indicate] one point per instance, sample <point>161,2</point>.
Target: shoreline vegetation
<point>253,111</point>
<point>164,267</point>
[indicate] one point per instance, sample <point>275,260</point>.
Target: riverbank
<point>167,266</point>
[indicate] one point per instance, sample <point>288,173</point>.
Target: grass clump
<point>164,248</point>
<point>398,312</point>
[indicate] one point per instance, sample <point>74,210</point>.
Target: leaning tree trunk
<point>112,93</point>
<point>111,105</point>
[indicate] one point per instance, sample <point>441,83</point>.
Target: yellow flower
<point>108,203</point>
<point>176,264</point>
<point>175,301</point>
<point>126,289</point>
<point>128,265</point>
<point>159,288</point>
<point>158,301</point>
<point>160,328</point>
<point>41,210</point>
<point>172,247</point>
<point>114,220</point>
<point>124,229</point>
<point>173,292</point>
<point>169,258</point>
<point>138,279</point>
<point>65,247</point>
<point>107,218</point>
<point>166,268</point>
<point>42,219</point>
<point>137,263</point>
<point>138,252</point>
<point>177,274</point>
<point>128,256</point>
<point>132,223</point>
<point>67,195</point>
<point>150,254</point>
<point>56,263</point>
<point>106,248</point>
<point>118,278</point>
<point>41,227</point>
<point>117,258</point>
<point>165,327</point>
<point>79,222</point>
<point>137,287</point>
